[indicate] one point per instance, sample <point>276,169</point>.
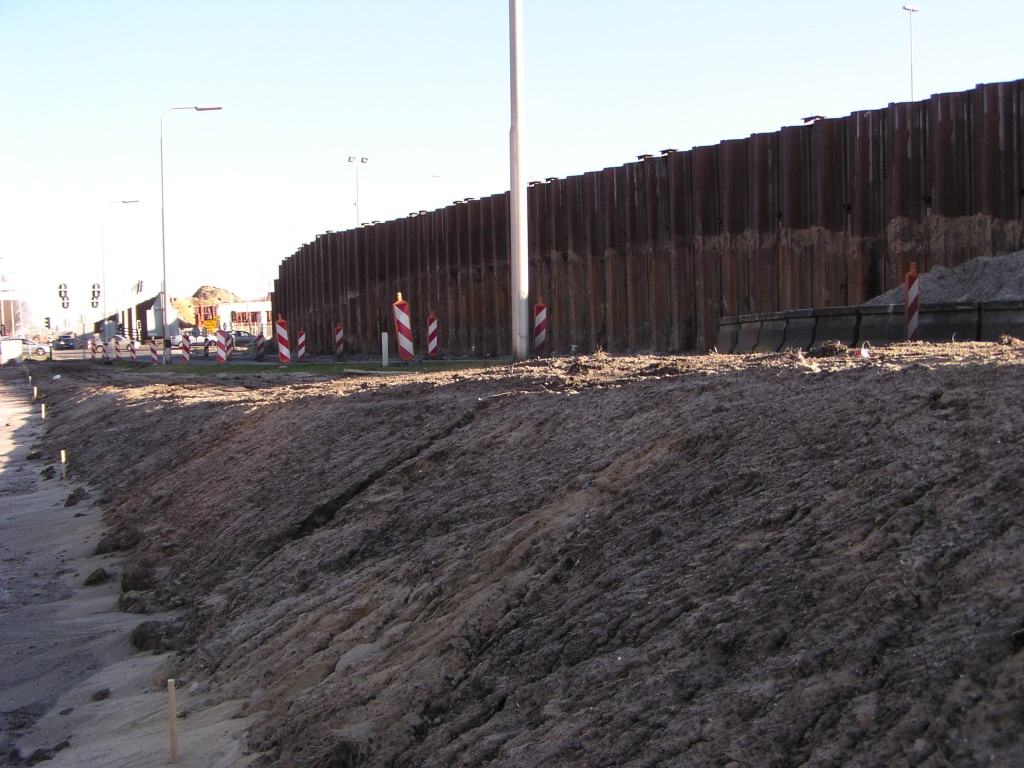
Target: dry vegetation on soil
<point>767,560</point>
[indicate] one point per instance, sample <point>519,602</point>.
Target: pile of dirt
<point>206,295</point>
<point>986,278</point>
<point>186,310</point>
<point>209,294</point>
<point>759,560</point>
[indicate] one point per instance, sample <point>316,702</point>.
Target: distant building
<point>140,322</point>
<point>251,316</point>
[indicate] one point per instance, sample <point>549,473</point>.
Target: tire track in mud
<point>325,513</point>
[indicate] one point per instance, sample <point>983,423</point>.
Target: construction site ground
<point>700,560</point>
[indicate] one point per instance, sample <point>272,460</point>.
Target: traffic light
<point>120,329</point>
<point>95,302</point>
<point>47,323</point>
<point>62,291</point>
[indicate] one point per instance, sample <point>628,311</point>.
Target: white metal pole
<point>163,241</point>
<point>358,161</point>
<point>103,277</point>
<point>911,15</point>
<point>517,196</point>
<point>911,10</point>
<point>164,307</point>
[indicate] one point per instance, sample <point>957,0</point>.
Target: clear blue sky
<point>420,88</point>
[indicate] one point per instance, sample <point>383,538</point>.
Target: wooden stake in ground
<point>63,465</point>
<point>42,410</point>
<point>35,393</point>
<point>174,720</point>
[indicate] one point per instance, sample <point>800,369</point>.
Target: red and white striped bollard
<point>153,358</point>
<point>540,328</point>
<point>284,350</point>
<point>339,341</point>
<point>222,347</point>
<point>261,348</point>
<point>117,349</point>
<point>912,302</point>
<point>403,329</point>
<point>131,350</point>
<point>300,345</point>
<point>186,349</point>
<point>432,335</point>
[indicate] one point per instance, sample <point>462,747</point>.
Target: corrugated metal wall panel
<point>735,196</point>
<point>764,214</point>
<point>648,255</point>
<point>660,258</point>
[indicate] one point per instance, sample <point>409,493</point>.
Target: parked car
<point>35,348</point>
<point>243,338</point>
<point>195,340</point>
<point>66,341</point>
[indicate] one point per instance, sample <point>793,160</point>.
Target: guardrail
<point>808,329</point>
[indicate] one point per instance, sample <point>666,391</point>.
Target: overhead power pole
<point>517,195</point>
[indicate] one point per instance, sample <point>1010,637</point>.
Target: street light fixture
<point>163,232</point>
<point>103,266</point>
<point>361,161</point>
<point>911,10</point>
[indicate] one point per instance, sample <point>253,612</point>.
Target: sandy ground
<point>761,560</point>
<point>61,643</point>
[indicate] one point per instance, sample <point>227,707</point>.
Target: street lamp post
<point>911,10</point>
<point>163,231</point>
<point>520,235</point>
<point>361,161</point>
<point>103,266</point>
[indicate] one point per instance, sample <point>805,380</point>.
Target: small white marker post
<point>42,410</point>
<point>384,350</point>
<point>174,720</point>
<point>63,465</point>
<point>35,393</point>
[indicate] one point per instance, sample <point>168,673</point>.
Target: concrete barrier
<point>882,324</point>
<point>999,317</point>
<point>835,324</point>
<point>949,322</point>
<point>799,329</point>
<point>877,324</point>
<point>728,329</point>
<point>750,329</point>
<point>773,332</point>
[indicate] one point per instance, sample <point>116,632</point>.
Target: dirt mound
<point>186,310</point>
<point>208,294</point>
<point>205,296</point>
<point>667,561</point>
<point>986,278</point>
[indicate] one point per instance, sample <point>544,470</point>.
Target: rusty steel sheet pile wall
<point>649,255</point>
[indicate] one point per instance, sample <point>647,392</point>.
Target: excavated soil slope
<point>758,560</point>
<point>985,278</point>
